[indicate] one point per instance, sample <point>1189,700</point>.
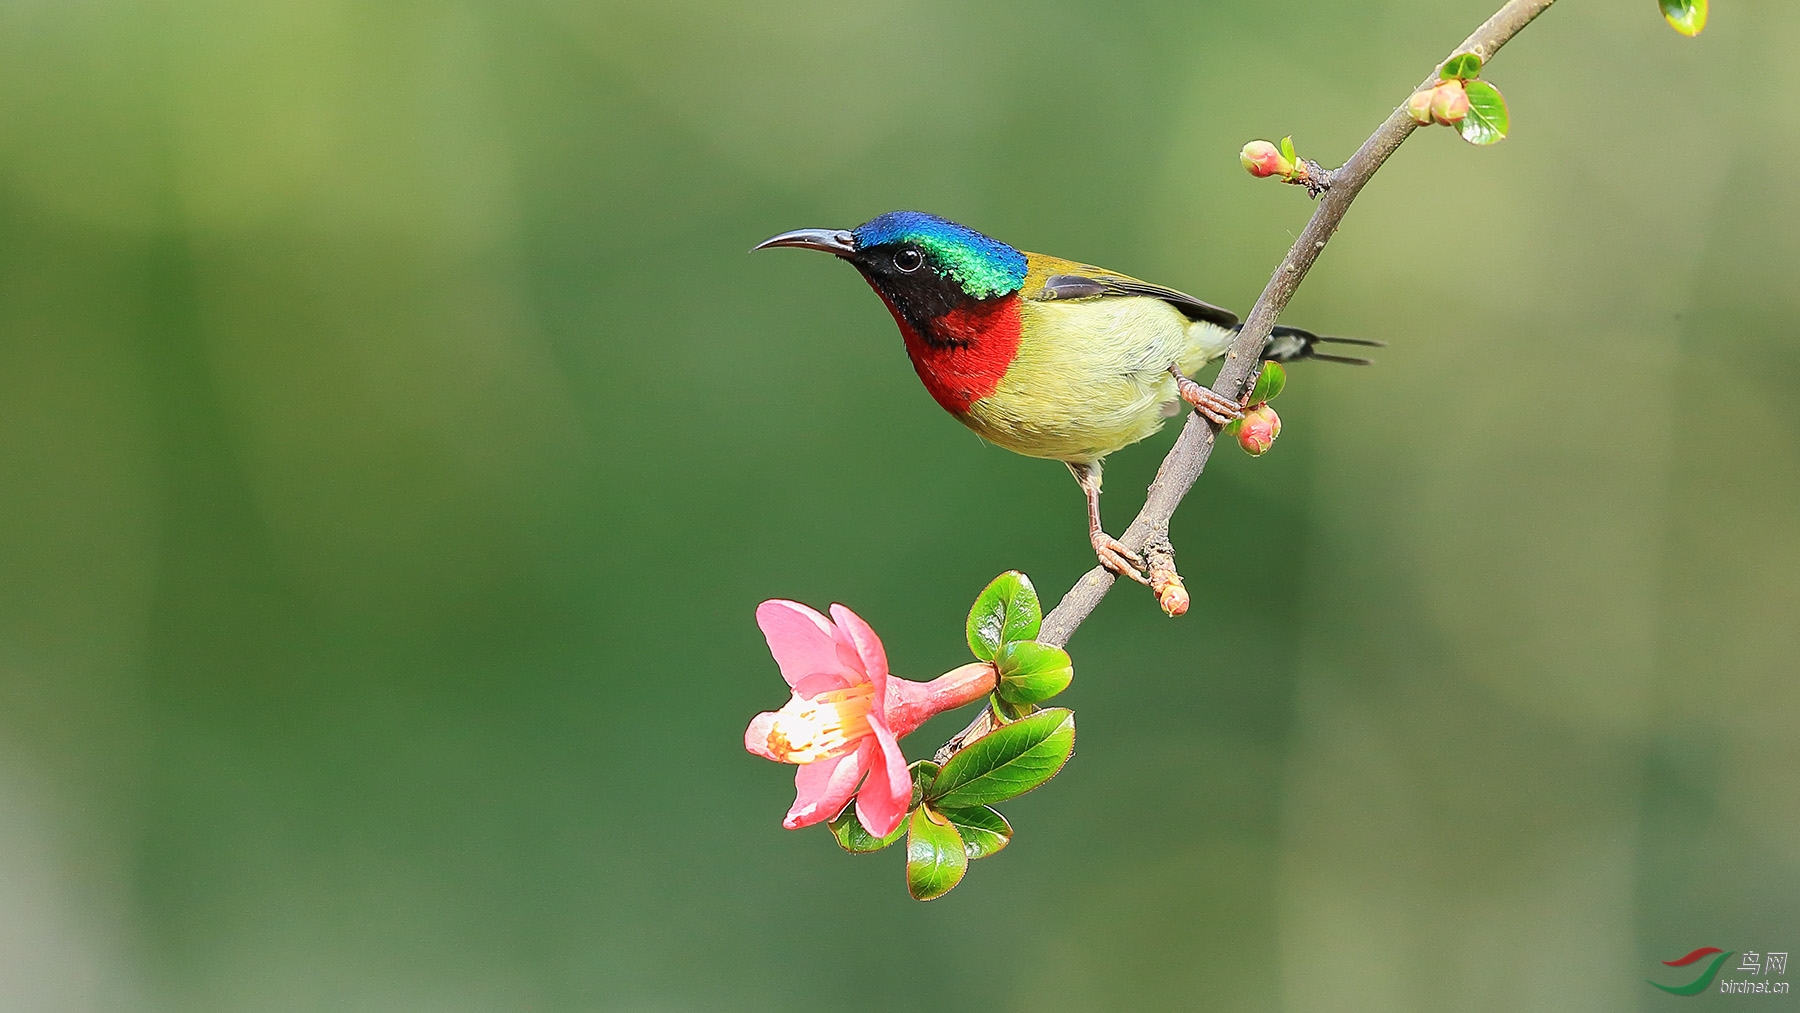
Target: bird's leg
<point>1112,552</point>
<point>1217,408</point>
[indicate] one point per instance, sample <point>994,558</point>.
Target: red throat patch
<point>974,346</point>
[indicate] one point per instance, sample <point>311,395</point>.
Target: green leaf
<point>1685,16</point>
<point>1270,383</point>
<point>1466,66</point>
<point>935,856</point>
<point>853,838</point>
<point>1006,713</point>
<point>1007,609</point>
<point>1006,762</point>
<point>1487,122</point>
<point>1031,672</point>
<point>1287,150</point>
<point>983,830</point>
<point>923,773</point>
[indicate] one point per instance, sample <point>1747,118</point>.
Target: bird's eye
<point>908,260</point>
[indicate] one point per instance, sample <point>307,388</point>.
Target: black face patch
<point>921,294</point>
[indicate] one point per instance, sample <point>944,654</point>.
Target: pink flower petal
<point>756,737</point>
<point>868,650</point>
<point>885,796</point>
<point>822,788</point>
<point>847,656</point>
<point>825,682</point>
<point>801,639</point>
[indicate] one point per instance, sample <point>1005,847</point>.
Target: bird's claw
<point>1117,558</point>
<point>1218,409</point>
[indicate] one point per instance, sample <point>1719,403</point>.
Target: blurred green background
<point>395,439</point>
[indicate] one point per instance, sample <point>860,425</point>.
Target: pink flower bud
<point>1256,434</point>
<point>1419,106</point>
<point>1171,594</point>
<point>1173,599</point>
<point>1264,159</point>
<point>1449,102</point>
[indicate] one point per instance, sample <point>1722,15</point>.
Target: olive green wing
<point>1050,279</point>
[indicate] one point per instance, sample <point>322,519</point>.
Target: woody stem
<point>1188,457</point>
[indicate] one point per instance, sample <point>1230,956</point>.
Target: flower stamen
<point>820,726</point>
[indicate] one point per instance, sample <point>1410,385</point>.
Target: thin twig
<point>1188,457</point>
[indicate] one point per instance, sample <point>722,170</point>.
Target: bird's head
<point>923,265</point>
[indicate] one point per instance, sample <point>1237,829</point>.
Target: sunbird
<point>1043,356</point>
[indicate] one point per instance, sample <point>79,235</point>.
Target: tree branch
<point>1188,457</point>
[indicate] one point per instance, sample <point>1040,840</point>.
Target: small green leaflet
<point>1487,122</point>
<point>983,830</point>
<point>923,773</point>
<point>1006,713</point>
<point>935,857</point>
<point>1463,65</point>
<point>1031,672</point>
<point>1007,609</point>
<point>853,838</point>
<point>1685,16</point>
<point>1269,384</point>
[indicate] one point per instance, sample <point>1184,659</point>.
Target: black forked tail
<point>1289,343</point>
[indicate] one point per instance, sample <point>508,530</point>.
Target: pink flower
<point>843,724</point>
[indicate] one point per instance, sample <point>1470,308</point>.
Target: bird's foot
<point>1117,558</point>
<point>1218,409</point>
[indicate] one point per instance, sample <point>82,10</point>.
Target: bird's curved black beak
<point>839,241</point>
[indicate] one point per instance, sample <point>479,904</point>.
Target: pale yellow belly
<point>1091,377</point>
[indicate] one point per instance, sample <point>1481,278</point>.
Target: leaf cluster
<point>952,820</point>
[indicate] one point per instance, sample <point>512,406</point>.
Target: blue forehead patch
<point>984,267</point>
